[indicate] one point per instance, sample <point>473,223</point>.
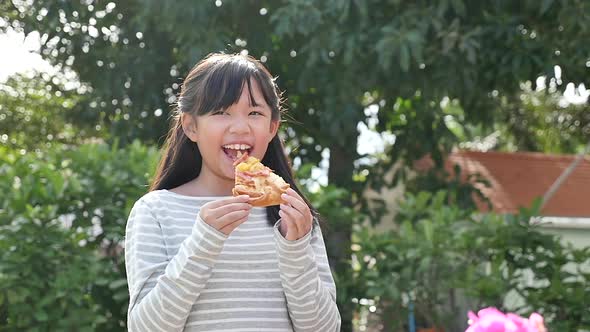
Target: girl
<point>199,259</point>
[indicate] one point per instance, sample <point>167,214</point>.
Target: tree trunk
<point>338,241</point>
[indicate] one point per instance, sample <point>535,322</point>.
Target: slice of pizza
<point>258,181</point>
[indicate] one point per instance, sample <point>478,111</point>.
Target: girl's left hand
<point>296,219</point>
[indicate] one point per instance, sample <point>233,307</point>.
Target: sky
<point>19,54</point>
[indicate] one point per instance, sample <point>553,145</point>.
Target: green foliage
<point>33,113</point>
<point>45,274</point>
<point>420,125</point>
<point>541,119</point>
<point>418,262</point>
<point>61,228</point>
<point>441,256</point>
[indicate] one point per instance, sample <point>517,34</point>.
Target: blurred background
<point>445,143</point>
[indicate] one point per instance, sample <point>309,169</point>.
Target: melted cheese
<point>260,182</point>
<point>251,164</point>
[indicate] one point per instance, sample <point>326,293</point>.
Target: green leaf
<point>535,208</point>
<point>428,230</point>
<point>41,315</point>
<point>118,284</point>
<point>458,6</point>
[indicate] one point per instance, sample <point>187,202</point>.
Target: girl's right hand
<point>226,214</point>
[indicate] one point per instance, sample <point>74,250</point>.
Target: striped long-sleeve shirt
<point>184,275</point>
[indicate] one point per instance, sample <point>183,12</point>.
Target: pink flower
<point>538,321</point>
<point>493,320</point>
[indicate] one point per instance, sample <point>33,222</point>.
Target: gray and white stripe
<point>184,275</point>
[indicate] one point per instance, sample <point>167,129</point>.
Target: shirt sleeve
<point>162,291</point>
<point>307,282</point>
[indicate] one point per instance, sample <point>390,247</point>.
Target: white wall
<point>571,230</point>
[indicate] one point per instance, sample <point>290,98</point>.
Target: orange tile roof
<point>516,179</point>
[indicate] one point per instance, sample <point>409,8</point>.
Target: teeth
<point>237,146</point>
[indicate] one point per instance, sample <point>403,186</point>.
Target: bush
<point>62,223</point>
<point>443,260</point>
<point>62,219</point>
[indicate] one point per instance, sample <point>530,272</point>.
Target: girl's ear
<point>274,127</point>
<point>189,126</point>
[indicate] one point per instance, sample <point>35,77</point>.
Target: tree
<point>34,113</point>
<point>543,120</point>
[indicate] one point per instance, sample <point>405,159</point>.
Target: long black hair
<point>199,95</point>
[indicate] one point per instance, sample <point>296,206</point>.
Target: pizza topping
<point>246,179</point>
<point>248,164</point>
<point>262,172</point>
<point>241,157</point>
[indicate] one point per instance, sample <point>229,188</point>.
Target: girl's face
<point>242,127</point>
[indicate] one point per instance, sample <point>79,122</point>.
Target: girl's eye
<point>256,113</point>
<point>218,112</point>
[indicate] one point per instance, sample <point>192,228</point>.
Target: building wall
<point>575,231</point>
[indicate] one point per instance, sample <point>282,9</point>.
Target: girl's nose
<point>239,126</point>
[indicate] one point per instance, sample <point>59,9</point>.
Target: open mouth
<point>234,151</point>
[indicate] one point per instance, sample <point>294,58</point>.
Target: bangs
<point>227,79</point>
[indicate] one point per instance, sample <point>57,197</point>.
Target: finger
<point>227,229</point>
<point>299,204</point>
<point>295,216</point>
<point>305,223</point>
<point>291,232</point>
<point>231,218</point>
<point>293,193</point>
<point>213,214</point>
<point>225,209</point>
<point>226,201</point>
<point>296,202</point>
